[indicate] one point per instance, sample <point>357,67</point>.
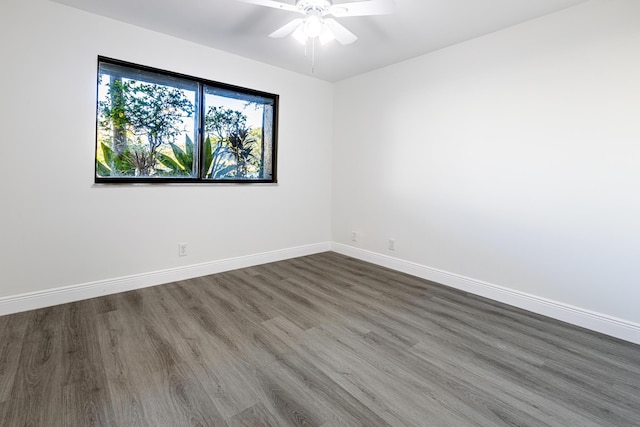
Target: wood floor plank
<point>254,416</point>
<point>323,340</point>
<point>12,330</point>
<point>119,351</point>
<point>372,385</point>
<point>301,314</point>
<point>540,409</point>
<point>342,404</point>
<point>238,295</point>
<point>214,356</point>
<point>419,386</point>
<point>185,400</point>
<point>36,397</point>
<point>548,334</point>
<point>86,392</point>
<point>320,395</point>
<point>288,401</point>
<point>221,361</point>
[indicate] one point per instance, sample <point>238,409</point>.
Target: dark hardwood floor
<point>323,340</point>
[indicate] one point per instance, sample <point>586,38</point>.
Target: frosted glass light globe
<point>313,26</point>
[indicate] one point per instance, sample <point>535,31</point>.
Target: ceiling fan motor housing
<point>311,7</point>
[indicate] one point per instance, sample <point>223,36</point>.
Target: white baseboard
<point>608,325</point>
<point>619,328</point>
<point>50,297</point>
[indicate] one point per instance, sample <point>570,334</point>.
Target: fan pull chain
<point>313,55</point>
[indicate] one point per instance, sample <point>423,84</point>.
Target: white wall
<point>59,229</point>
<point>512,159</point>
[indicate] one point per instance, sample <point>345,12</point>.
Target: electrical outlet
<point>354,236</point>
<point>182,249</point>
<point>392,244</point>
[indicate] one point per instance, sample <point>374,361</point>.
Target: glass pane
<point>146,124</point>
<point>238,142</point>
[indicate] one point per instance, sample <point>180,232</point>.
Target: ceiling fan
<point>315,23</point>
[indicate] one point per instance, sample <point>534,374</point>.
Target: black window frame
<point>200,132</point>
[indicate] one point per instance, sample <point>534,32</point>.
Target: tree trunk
<point>117,102</point>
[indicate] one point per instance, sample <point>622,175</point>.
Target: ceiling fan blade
<point>287,29</point>
<point>343,35</point>
<point>272,3</point>
<point>363,8</point>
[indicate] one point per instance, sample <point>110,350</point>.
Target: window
<point>156,126</point>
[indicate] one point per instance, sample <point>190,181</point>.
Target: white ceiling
<point>417,27</point>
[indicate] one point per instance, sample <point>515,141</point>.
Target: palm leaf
<point>222,172</point>
<point>169,162</point>
<point>108,153</point>
<point>189,148</point>
<point>185,162</point>
<point>208,156</point>
<point>102,169</point>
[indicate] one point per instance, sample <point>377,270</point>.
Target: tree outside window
<point>156,127</point>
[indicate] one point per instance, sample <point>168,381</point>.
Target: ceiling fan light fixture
<point>313,26</point>
<point>326,36</point>
<point>300,35</point>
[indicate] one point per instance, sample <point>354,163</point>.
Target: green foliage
<point>181,163</point>
<point>102,169</point>
<point>223,164</point>
<point>157,112</point>
<point>223,122</point>
<point>207,161</point>
<point>114,165</point>
<point>218,162</point>
<point>208,158</point>
<point>132,111</point>
<point>215,162</point>
<point>142,158</point>
<point>136,160</point>
<point>113,110</point>
<point>235,142</point>
<point>141,122</point>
